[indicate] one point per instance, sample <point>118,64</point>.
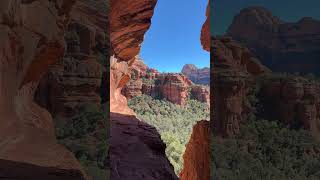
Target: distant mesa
<point>196,75</point>
<point>281,46</point>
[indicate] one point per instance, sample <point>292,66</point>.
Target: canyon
<point>54,60</point>
<point>290,98</point>
<point>128,24</point>
<point>174,87</point>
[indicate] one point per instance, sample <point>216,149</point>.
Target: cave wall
<point>31,33</point>
<point>129,21</point>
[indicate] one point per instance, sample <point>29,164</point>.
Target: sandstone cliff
<point>75,80</point>
<point>129,20</point>
<point>197,154</point>
<point>292,99</point>
<point>198,76</point>
<point>31,33</point>
<point>235,68</point>
<point>136,149</point>
<point>173,87</point>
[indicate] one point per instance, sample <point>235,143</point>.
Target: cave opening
<point>169,86</point>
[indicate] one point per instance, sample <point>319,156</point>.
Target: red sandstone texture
<point>197,154</point>
<point>31,33</point>
<point>205,37</point>
<point>129,20</point>
<point>174,87</point>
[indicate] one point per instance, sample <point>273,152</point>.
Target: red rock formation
<point>279,45</point>
<point>129,20</point>
<point>137,151</point>
<point>235,66</point>
<point>201,93</point>
<point>174,87</point>
<point>205,32</point>
<point>134,86</point>
<point>197,154</point>
<point>230,54</point>
<point>198,76</point>
<point>31,33</point>
<point>293,100</point>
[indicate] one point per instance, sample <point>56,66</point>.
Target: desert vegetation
<point>267,149</point>
<point>174,122</point>
<point>85,135</point>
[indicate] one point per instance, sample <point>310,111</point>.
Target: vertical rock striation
<point>31,33</point>
<point>76,79</point>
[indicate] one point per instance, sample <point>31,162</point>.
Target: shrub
<point>173,122</point>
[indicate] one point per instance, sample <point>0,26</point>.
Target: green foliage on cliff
<point>266,150</point>
<point>85,135</point>
<point>173,122</point>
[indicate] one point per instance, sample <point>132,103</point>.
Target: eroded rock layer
<point>293,100</point>
<point>32,34</point>
<point>129,21</point>
<point>76,79</point>
<point>197,155</point>
<point>198,76</point>
<point>235,68</point>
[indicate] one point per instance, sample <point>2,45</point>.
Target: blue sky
<point>173,39</point>
<point>288,10</point>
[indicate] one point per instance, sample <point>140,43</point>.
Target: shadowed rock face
<point>230,109</point>
<point>197,154</point>
<point>281,46</point>
<point>76,79</point>
<point>228,53</point>
<point>137,151</point>
<point>23,171</point>
<point>293,100</point>
<point>32,34</point>
<point>234,65</point>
